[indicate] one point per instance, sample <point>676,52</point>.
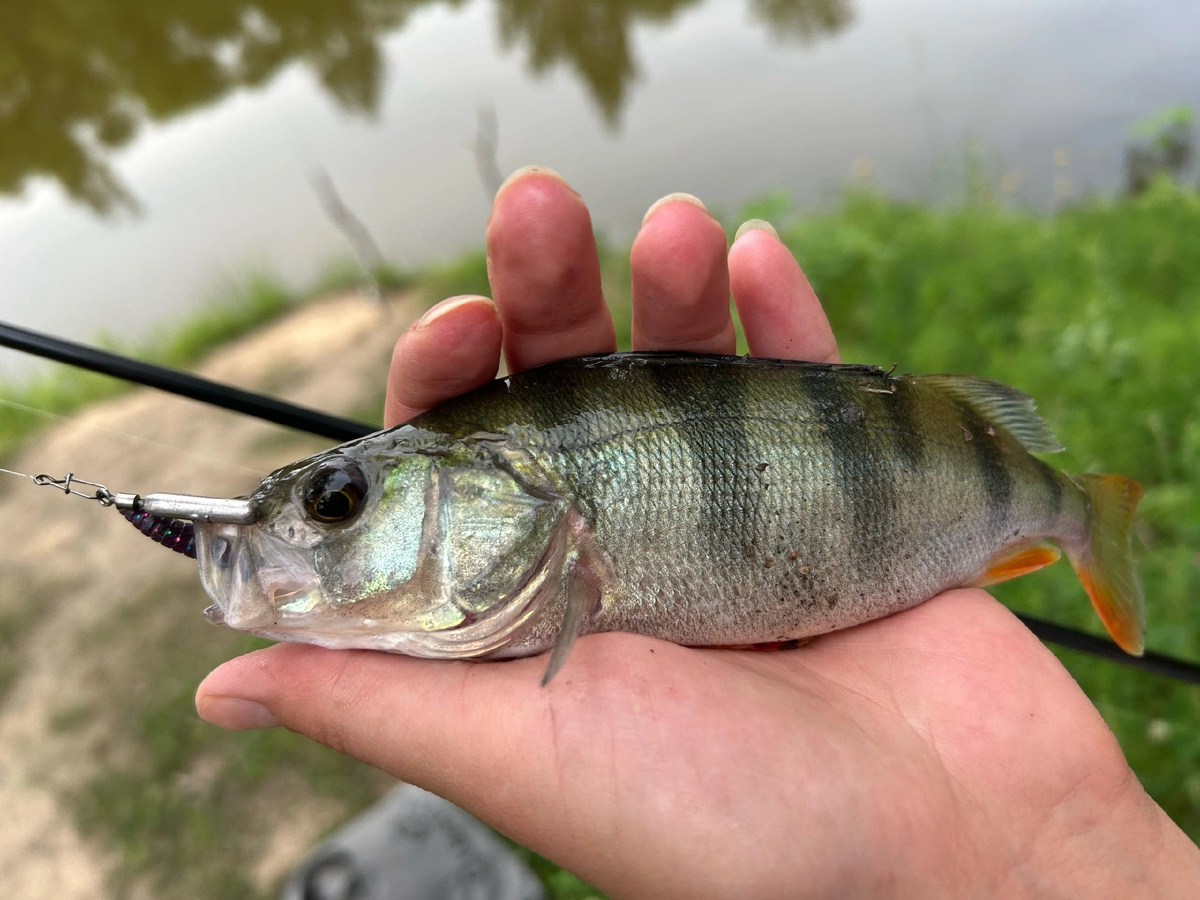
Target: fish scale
<point>726,568</point>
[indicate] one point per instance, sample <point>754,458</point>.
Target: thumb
<point>483,735</point>
<point>422,721</point>
<point>545,766</point>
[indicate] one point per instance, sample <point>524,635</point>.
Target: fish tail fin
<point>1104,562</point>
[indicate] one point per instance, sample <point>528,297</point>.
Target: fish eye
<point>335,493</point>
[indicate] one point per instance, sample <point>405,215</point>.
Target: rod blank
<point>181,383</point>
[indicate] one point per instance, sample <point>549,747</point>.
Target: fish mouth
<point>256,581</point>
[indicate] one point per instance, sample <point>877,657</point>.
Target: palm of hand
<point>887,757</point>
<point>942,751</point>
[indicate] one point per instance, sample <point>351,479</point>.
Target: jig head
<point>165,518</point>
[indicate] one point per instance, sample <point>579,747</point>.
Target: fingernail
<point>449,304</point>
<point>235,714</point>
<point>756,225</point>
<point>532,170</point>
<point>678,197</point>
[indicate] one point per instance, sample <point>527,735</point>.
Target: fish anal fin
<point>582,594</point>
<point>1013,562</point>
<point>998,405</point>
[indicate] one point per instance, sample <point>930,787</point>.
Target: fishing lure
<point>167,519</point>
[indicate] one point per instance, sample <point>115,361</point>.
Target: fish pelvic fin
<point>1013,562</point>
<point>1104,563</point>
<point>582,594</point>
<point>999,405</point>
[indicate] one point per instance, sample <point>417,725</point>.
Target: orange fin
<point>1013,562</point>
<point>1105,563</point>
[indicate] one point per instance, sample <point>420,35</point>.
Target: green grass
<point>344,274</point>
<point>465,275</point>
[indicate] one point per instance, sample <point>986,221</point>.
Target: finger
<point>545,272</point>
<point>680,281</point>
<point>453,348</point>
<point>485,736</point>
<point>780,312</point>
<point>335,698</point>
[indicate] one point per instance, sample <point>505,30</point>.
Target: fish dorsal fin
<point>999,405</point>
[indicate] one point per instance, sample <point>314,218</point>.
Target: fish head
<point>395,548</point>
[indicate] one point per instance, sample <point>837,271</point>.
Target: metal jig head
<point>165,518</point>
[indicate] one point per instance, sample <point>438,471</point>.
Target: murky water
<point>149,150</point>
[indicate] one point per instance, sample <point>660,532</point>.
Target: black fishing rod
<point>182,383</point>
<point>303,419</point>
<point>1073,639</point>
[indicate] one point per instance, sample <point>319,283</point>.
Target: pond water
<point>148,151</point>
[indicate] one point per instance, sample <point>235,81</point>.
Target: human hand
<point>940,752</point>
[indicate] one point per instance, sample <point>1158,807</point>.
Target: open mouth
<point>255,580</point>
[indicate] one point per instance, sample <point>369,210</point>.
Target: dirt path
<point>68,567</point>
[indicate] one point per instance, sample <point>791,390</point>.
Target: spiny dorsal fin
<point>1001,405</point>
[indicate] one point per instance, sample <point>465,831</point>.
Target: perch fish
<point>705,500</point>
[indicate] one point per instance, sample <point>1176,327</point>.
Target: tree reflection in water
<point>77,79</point>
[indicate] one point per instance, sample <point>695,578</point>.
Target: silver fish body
<point>702,500</point>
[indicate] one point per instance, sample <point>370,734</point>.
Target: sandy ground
<point>67,566</point>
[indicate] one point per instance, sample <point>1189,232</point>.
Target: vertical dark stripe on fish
<point>900,406</point>
<point>566,417</point>
<point>1054,487</point>
<point>718,450</point>
<point>989,461</point>
<point>868,488</point>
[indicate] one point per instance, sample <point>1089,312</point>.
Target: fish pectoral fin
<point>581,595</point>
<point>1013,562</point>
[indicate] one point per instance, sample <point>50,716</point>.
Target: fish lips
<point>257,581</point>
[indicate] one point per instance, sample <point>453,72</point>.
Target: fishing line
<point>176,450</point>
<point>303,419</point>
